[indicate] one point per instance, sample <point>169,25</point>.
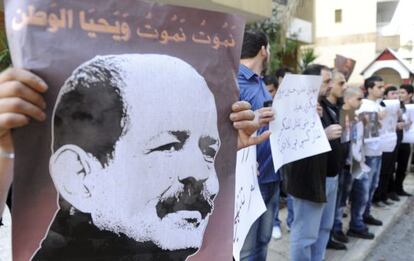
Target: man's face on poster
<point>161,183</point>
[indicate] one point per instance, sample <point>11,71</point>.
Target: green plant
<point>284,51</point>
<point>5,58</point>
<point>307,57</point>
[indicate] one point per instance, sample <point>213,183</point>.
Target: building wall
<point>354,37</point>
<point>358,17</point>
<point>363,53</point>
<point>252,10</point>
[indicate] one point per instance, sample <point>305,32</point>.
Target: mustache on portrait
<point>193,197</point>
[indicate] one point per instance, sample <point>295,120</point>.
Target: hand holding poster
<point>297,130</point>
<point>249,204</point>
<point>408,134</point>
<point>389,125</point>
<point>136,159</point>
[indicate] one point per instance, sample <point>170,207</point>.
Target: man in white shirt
<point>365,185</point>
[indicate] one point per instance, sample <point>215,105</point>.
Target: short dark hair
<point>281,72</point>
<point>252,43</point>
<point>370,82</point>
<point>270,79</point>
<point>90,113</point>
<point>408,87</point>
<point>315,69</point>
<point>390,89</point>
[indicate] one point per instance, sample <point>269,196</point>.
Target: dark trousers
<point>404,152</point>
<point>387,171</point>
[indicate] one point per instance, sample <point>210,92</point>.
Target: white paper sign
<point>297,130</point>
<point>249,204</point>
<point>388,132</point>
<point>408,135</point>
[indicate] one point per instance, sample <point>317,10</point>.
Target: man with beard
<point>313,188</point>
<point>336,160</point>
<point>22,102</point>
<point>145,189</point>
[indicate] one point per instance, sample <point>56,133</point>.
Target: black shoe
<point>404,194</point>
<point>340,236</point>
<point>370,220</point>
<point>388,202</point>
<point>364,234</point>
<point>335,245</point>
<point>393,196</point>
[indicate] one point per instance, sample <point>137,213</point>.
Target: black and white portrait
<point>134,141</point>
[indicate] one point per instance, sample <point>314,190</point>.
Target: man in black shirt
<point>313,187</point>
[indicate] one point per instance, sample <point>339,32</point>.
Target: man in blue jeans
<point>313,187</point>
<point>365,185</point>
<point>254,59</point>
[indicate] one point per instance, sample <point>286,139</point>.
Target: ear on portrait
<point>69,168</point>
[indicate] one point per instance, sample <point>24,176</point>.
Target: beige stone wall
<point>393,42</point>
<point>358,17</point>
<point>253,10</point>
<point>306,10</point>
<point>364,53</point>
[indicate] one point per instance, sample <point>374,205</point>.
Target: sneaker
<point>276,233</point>
<point>379,204</point>
<point>340,236</point>
<point>404,194</point>
<point>364,234</point>
<point>393,196</point>
<point>370,220</point>
<point>335,245</point>
<point>387,202</point>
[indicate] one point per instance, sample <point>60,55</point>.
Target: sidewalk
<point>358,249</point>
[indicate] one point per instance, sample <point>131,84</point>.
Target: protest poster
<point>388,130</point>
<point>346,120</point>
<point>408,133</point>
<point>137,158</point>
<point>371,125</point>
<point>297,131</point>
<point>345,65</point>
<point>249,204</point>
<point>358,166</point>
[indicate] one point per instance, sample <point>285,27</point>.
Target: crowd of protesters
<point>318,188</point>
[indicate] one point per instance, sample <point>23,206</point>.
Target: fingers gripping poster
<point>136,160</point>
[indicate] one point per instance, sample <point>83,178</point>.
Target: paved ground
<point>398,241</point>
<point>392,243</point>
<point>358,249</point>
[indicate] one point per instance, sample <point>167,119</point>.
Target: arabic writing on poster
<point>408,134</point>
<point>120,29</point>
<point>297,131</point>
<point>249,203</point>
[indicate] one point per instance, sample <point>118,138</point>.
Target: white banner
<point>249,204</point>
<point>388,132</point>
<point>297,130</point>
<point>408,136</point>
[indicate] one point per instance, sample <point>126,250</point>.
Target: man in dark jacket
<point>314,187</point>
